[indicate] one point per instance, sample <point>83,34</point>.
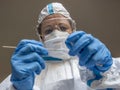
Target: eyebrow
<point>61,23</point>
<point>47,26</point>
<point>56,19</point>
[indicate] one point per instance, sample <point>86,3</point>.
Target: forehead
<point>55,18</point>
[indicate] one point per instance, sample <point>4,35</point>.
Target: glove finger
<point>34,67</point>
<point>73,38</point>
<point>23,42</point>
<point>33,48</point>
<point>24,70</point>
<point>109,62</point>
<point>105,63</point>
<point>96,47</point>
<point>103,68</point>
<point>100,58</point>
<point>81,44</point>
<point>30,68</point>
<point>34,57</point>
<point>87,53</point>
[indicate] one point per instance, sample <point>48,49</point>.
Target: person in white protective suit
<point>63,59</point>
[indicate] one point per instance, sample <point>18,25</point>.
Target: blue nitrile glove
<point>92,53</point>
<point>26,61</point>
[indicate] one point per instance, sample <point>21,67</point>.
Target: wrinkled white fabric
<point>66,76</point>
<point>110,78</point>
<point>56,33</point>
<point>58,76</point>
<point>55,43</point>
<point>55,8</point>
<point>61,76</point>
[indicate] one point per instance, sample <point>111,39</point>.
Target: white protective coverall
<point>68,75</point>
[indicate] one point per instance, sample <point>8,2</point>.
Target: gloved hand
<point>26,61</point>
<point>92,53</point>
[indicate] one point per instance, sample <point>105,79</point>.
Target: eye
<point>63,28</point>
<point>48,31</point>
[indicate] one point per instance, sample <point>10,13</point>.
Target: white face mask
<point>55,43</point>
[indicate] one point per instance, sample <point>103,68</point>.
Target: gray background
<point>18,19</point>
